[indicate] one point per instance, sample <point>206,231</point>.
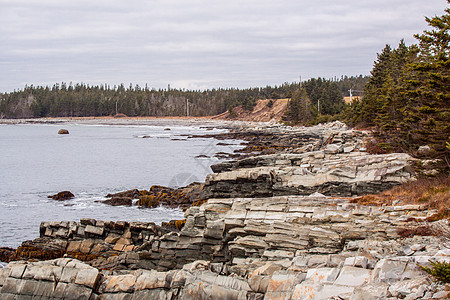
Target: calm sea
<point>90,162</point>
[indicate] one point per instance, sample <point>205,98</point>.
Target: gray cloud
<point>198,43</point>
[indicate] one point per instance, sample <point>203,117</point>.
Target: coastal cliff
<point>285,225</point>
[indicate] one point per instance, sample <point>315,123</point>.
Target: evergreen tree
<point>326,94</point>
<point>375,88</point>
<point>427,88</point>
<point>299,109</point>
<point>407,97</point>
<point>388,116</point>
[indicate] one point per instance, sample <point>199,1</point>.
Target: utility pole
<point>116,106</point>
<point>300,81</point>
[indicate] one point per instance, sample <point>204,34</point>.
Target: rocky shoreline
<point>129,121</point>
<point>276,223</point>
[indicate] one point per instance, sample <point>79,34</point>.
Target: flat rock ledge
<point>67,278</point>
<point>333,174</point>
<point>285,247</point>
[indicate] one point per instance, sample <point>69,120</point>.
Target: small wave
<point>7,204</point>
<point>118,125</point>
<point>153,135</point>
<point>166,209</point>
<point>81,200</point>
<point>179,138</point>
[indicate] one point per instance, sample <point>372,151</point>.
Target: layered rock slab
<point>228,231</point>
<point>288,247</point>
<point>71,279</point>
<point>341,174</point>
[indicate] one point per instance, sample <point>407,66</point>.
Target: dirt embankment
<point>262,112</point>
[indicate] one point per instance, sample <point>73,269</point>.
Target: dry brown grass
<point>434,193</point>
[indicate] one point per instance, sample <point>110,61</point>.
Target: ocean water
<point>92,161</point>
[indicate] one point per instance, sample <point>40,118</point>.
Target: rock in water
<point>64,195</point>
<point>133,194</point>
<point>119,201</point>
<point>6,254</point>
<point>63,131</point>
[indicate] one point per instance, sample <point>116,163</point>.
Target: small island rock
<point>61,196</point>
<point>63,131</point>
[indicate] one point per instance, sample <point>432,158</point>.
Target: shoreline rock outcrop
<point>273,138</point>
<point>342,174</point>
<point>183,197</point>
<point>293,247</point>
<point>280,225</point>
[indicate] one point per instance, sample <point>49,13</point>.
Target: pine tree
<point>375,90</point>
<point>427,89</point>
<point>407,97</point>
<point>388,116</point>
<point>300,108</point>
<point>326,94</point>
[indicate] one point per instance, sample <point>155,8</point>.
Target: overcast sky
<point>198,44</point>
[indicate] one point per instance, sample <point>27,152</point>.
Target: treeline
<point>317,100</point>
<point>82,100</point>
<point>407,98</point>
